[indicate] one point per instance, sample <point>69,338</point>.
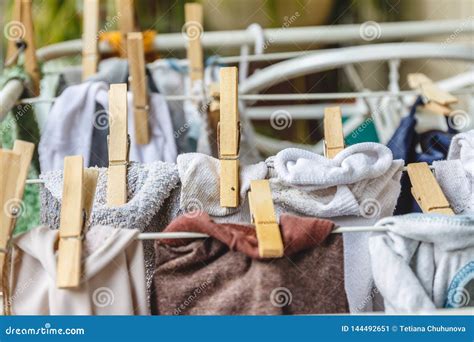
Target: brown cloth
<point>223,275</point>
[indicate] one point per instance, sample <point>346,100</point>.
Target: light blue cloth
<point>424,261</point>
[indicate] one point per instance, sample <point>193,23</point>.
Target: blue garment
<point>404,144</point>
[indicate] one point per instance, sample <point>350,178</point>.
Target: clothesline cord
<point>286,97</point>
<point>190,235</point>
<point>40,181</point>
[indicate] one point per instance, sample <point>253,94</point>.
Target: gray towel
<point>153,201</point>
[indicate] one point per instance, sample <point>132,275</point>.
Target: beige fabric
<point>113,280</point>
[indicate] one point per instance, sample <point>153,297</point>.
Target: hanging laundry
<point>224,275</point>
<point>199,175</point>
<point>429,258</point>
<point>360,185</point>
<point>456,174</point>
<point>153,201</point>
<point>112,282</point>
<point>405,145</point>
<point>76,125</point>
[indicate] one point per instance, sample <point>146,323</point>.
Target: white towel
<point>424,262</point>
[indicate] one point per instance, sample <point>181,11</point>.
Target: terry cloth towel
<point>223,275</point>
<point>199,176</point>
<point>409,145</point>
<point>424,262</point>
<point>456,175</point>
<point>357,187</point>
<point>72,120</point>
<point>113,275</point>
<point>153,201</point>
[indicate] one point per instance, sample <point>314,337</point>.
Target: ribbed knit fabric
<point>153,196</point>
<point>456,175</point>
<point>424,262</point>
<point>199,176</point>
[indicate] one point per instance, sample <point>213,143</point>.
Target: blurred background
<point>60,20</point>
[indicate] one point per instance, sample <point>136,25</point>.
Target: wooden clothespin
<point>214,106</point>
<point>270,243</point>
<point>138,83</point>
<point>21,28</point>
<point>126,22</point>
<point>229,139</point>
<point>436,100</point>
<point>76,205</point>
<point>119,145</point>
<point>333,133</point>
<point>194,28</point>
<point>426,190</point>
<point>14,167</point>
<point>9,169</point>
<point>90,50</point>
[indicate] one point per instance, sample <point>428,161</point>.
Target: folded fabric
<point>360,185</point>
<point>407,144</point>
<point>430,258</point>
<point>113,275</point>
<point>199,175</point>
<point>456,175</point>
<point>73,118</point>
<point>224,276</point>
<point>153,201</point>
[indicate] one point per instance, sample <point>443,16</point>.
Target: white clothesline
<point>285,97</point>
<point>41,181</point>
<point>190,235</point>
<point>289,36</point>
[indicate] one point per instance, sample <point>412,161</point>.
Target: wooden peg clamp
<point>270,243</point>
<point>90,50</point>
<point>78,196</point>
<point>426,190</point>
<point>21,28</point>
<point>138,84</point>
<point>10,164</point>
<point>194,18</point>
<point>119,145</point>
<point>126,22</point>
<point>436,100</point>
<point>333,133</point>
<point>229,139</point>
